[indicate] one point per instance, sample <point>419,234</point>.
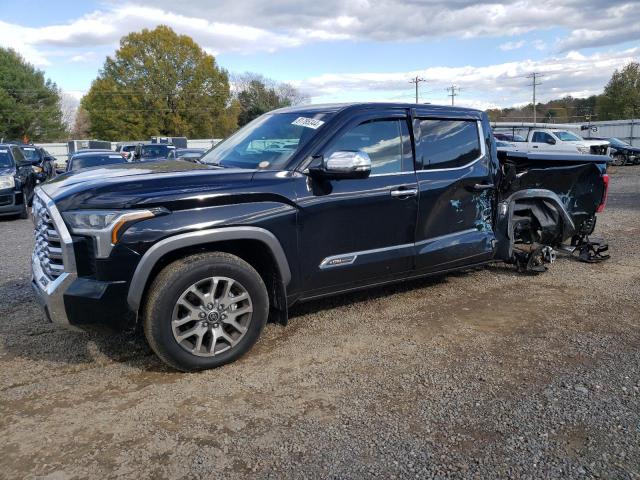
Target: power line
<point>453,93</point>
<point>534,76</point>
<point>417,81</point>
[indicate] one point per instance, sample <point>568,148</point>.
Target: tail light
<point>603,202</point>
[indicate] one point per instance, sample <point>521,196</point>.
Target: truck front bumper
<point>11,202</point>
<point>68,299</point>
<point>82,303</point>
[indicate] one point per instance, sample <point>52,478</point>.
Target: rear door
<point>360,231</point>
<point>456,188</point>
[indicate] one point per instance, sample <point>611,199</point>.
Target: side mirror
<point>344,164</point>
<point>551,141</point>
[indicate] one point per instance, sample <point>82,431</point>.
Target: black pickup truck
<point>301,203</point>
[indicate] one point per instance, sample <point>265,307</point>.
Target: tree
<point>256,95</point>
<point>159,83</point>
<point>621,97</point>
<point>81,126</point>
<point>29,103</point>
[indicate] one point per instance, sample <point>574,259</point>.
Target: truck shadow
<point>26,334</point>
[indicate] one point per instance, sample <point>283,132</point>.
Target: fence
<point>626,130</point>
<point>61,150</point>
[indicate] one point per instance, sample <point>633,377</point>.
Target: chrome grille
<point>48,243</point>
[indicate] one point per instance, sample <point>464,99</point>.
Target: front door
<point>360,231</point>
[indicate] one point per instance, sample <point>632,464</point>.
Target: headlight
<point>7,181</point>
<point>583,149</point>
<point>106,226</point>
<point>37,169</point>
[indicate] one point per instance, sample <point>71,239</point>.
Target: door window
<point>447,143</point>
<point>380,139</point>
<point>542,137</point>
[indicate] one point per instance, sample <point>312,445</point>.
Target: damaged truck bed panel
<point>547,200</point>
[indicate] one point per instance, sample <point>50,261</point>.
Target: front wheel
<point>204,311</point>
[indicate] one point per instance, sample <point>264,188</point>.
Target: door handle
<point>404,192</point>
<point>483,186</point>
<point>535,146</point>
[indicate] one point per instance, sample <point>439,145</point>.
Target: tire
<point>24,213</point>
<point>618,160</point>
<point>189,327</point>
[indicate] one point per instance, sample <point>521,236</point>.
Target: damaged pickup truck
<point>301,203</point>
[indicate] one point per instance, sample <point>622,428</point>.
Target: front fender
<point>160,249</point>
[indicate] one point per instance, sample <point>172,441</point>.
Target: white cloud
<point>501,84</point>
<point>257,26</point>
<point>512,45</point>
<point>83,57</point>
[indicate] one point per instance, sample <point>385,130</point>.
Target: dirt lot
<point>480,374</point>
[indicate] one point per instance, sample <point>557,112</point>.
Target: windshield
<point>98,160</point>
<point>5,159</point>
<point>156,151</point>
<point>567,136</point>
<point>616,142</point>
<point>30,153</point>
<point>268,142</point>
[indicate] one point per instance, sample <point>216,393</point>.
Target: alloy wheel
<point>212,316</point>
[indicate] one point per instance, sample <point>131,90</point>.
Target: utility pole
<point>417,81</point>
<point>453,93</point>
<point>534,76</point>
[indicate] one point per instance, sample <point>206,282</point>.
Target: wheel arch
<point>251,244</point>
<point>505,224</point>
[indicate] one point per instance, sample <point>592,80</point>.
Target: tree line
<point>156,83</point>
<point>620,100</point>
<point>162,83</point>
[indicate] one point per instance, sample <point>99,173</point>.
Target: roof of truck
<point>338,107</point>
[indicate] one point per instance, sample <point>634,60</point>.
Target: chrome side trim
<point>443,237</point>
<point>158,250</point>
<point>346,259</point>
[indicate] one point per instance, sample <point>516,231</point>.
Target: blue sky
<point>352,49</point>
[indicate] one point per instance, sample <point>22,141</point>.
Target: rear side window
<point>447,143</point>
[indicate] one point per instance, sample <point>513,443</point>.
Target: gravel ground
<point>480,374</point>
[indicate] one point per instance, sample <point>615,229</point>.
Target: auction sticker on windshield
<point>307,122</point>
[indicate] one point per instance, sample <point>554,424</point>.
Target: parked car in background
<point>84,160</point>
<point>43,163</point>
<point>149,152</point>
<point>508,137</point>
<point>506,146</point>
<point>126,150</point>
<point>17,181</point>
<point>188,154</point>
<point>551,138</point>
<point>622,153</point>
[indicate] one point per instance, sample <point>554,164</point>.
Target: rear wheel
<point>618,160</point>
<point>205,310</point>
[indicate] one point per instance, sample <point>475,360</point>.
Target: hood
<point>7,171</point>
<point>627,149</point>
<point>148,184</point>
<point>594,143</point>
